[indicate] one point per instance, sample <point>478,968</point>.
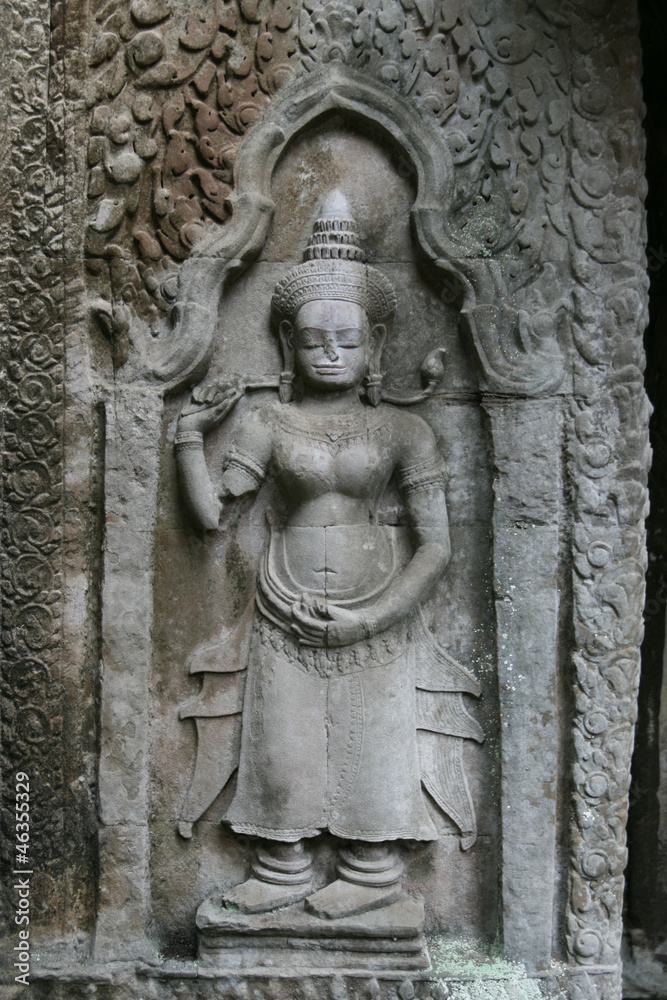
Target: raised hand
<point>209,405</point>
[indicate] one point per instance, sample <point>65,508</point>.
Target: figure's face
<point>332,344</point>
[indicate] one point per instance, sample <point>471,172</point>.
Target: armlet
<point>419,478</point>
<point>244,466</point>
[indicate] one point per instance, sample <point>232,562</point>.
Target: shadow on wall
<point>646,884</point>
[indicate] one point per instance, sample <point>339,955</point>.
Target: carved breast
<point>349,457</point>
<point>332,473</point>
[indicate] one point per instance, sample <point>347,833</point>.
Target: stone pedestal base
<point>388,938</point>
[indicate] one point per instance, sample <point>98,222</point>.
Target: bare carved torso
<point>332,471</point>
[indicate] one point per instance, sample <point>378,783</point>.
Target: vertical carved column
<point>527,484</point>
<point>32,277</point>
<point>132,454</point>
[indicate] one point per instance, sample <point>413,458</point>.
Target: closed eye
<point>349,338</point>
<point>313,338</point>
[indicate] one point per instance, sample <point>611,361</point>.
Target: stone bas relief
<point>516,128</point>
<point>350,706</point>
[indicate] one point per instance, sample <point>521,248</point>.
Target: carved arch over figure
<point>512,357</point>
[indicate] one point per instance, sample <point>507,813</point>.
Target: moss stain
<point>483,974</point>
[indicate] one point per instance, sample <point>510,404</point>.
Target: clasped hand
<point>317,623</point>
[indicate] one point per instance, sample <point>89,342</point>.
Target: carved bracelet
<point>370,626</point>
<point>188,437</point>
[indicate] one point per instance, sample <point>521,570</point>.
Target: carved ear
<point>378,338</point>
<point>374,376</point>
<point>286,335</point>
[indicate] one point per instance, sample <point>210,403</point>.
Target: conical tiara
<point>333,236</point>
<point>333,268</point>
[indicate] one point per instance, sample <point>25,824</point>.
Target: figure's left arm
<point>421,478</point>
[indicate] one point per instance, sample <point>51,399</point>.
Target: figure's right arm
<point>196,487</point>
<point>245,467</point>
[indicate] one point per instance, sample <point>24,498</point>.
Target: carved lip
<point>329,369</point>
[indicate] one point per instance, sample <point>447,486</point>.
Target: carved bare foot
<point>343,899</point>
<point>256,896</point>
<point>370,878</point>
<point>283,877</point>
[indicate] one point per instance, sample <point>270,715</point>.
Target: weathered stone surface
<point>527,486</point>
<point>164,168</point>
<point>389,937</point>
<point>341,899</point>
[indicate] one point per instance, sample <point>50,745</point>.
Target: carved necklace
<point>334,432</point>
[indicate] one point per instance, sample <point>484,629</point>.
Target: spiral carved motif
<point>31,321</point>
<point>173,96</point>
<point>608,464</point>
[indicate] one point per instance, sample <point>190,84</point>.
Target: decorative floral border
<point>32,347</point>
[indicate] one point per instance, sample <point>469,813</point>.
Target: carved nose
<point>330,349</point>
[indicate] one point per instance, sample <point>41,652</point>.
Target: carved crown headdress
<point>334,268</point>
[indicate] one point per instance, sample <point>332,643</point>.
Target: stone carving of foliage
<point>174,95</point>
<point>609,457</point>
<point>32,348</point>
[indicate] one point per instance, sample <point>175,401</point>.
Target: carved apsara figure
<point>348,708</point>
